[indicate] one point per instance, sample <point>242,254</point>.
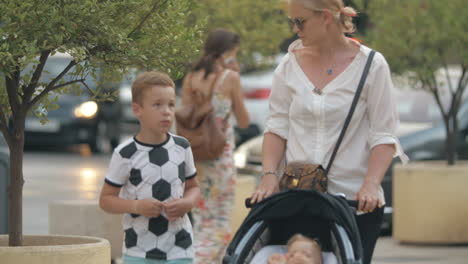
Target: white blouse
<point>311,123</point>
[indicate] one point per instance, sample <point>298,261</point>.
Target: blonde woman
<point>312,91</point>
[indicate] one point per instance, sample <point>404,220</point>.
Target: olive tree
<point>113,34</point>
<point>426,40</point>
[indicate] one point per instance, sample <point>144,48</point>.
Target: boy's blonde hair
<point>147,80</point>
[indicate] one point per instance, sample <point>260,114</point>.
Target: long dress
<point>216,179</point>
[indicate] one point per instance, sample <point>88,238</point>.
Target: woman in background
<point>217,177</point>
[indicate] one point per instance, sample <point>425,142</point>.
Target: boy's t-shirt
<point>154,171</point>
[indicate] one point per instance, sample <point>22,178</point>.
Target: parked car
<point>421,134</point>
<point>79,119</point>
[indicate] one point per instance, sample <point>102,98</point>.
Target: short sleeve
<point>383,115</point>
<point>190,169</point>
<point>279,103</point>
<point>118,172</point>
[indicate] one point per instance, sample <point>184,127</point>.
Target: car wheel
<point>100,143</point>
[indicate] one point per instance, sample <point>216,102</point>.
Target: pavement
<point>74,175</point>
<point>389,251</point>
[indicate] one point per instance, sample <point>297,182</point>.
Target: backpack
<point>196,122</point>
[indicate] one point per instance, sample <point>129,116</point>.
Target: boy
<point>155,175</point>
<point>301,250</point>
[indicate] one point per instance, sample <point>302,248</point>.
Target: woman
<point>312,91</point>
<point>217,177</point>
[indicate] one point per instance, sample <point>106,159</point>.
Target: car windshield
<point>55,65</point>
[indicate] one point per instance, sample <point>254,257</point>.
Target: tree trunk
<point>451,139</point>
<point>15,190</point>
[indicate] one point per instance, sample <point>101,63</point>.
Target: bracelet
<point>268,172</point>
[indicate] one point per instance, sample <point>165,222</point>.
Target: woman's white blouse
<point>311,123</point>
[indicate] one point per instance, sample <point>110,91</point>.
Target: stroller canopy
<point>294,204</point>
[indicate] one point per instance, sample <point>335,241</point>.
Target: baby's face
<point>304,252</point>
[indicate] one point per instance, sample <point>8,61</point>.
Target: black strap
<point>351,110</point>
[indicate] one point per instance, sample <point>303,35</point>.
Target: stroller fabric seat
<point>262,256</point>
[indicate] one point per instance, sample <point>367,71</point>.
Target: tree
<point>426,41</point>
<point>112,34</point>
<point>262,25</point>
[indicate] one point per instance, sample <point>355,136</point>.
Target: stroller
<point>274,220</point>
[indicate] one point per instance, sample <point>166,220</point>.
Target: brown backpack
<point>196,122</point>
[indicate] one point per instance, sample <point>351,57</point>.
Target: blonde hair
<point>147,80</point>
<point>343,14</point>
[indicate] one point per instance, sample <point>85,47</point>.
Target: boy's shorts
<point>135,260</point>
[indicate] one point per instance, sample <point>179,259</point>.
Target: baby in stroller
<point>277,219</point>
<point>301,250</point>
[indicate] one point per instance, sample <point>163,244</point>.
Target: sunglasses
<point>298,22</point>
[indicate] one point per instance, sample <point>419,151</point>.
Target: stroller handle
<point>352,203</point>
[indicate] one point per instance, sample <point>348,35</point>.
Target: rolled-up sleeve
<point>279,102</point>
<point>383,115</point>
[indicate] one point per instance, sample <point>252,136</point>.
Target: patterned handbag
<point>298,175</point>
<point>306,176</point>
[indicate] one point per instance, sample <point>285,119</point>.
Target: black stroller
<point>273,221</point>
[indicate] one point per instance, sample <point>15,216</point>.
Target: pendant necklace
<point>329,71</point>
<point>332,67</point>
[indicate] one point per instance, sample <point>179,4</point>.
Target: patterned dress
<point>217,180</point>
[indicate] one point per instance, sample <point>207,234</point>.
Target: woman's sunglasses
<point>298,22</point>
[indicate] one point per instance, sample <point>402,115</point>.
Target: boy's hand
<point>149,207</point>
<point>177,208</point>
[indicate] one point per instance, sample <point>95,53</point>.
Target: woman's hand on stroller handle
<point>268,186</point>
<point>368,198</point>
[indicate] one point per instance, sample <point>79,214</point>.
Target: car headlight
<point>240,159</point>
<point>86,110</point>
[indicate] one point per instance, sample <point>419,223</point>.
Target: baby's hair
<point>299,237</point>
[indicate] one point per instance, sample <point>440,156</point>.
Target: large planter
<point>430,203</point>
<point>86,218</point>
<point>245,186</point>
<point>50,249</point>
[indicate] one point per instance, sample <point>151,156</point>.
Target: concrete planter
<point>86,218</point>
<point>245,186</point>
<point>52,249</point>
<point>430,203</point>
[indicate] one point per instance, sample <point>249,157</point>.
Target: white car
<point>256,87</point>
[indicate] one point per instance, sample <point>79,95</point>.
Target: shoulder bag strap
<point>218,80</point>
<point>205,97</point>
<point>351,110</point>
<point>222,77</point>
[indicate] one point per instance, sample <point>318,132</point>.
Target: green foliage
<point>420,35</point>
<point>112,34</point>
<point>425,42</point>
<point>262,25</point>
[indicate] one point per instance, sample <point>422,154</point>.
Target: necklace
<point>329,71</point>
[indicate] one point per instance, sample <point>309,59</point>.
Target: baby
<point>301,250</point>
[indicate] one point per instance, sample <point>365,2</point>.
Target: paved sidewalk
<point>389,251</point>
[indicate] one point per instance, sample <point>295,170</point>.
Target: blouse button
<point>317,91</point>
